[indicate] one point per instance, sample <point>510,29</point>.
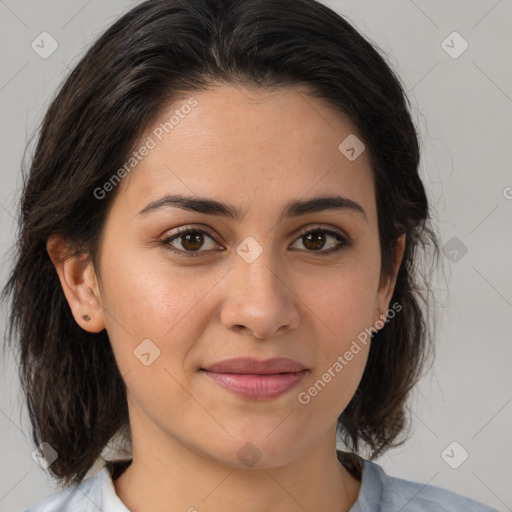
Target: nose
<point>260,300</point>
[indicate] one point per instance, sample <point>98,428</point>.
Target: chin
<point>256,451</point>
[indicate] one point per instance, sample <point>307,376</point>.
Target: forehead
<point>248,146</point>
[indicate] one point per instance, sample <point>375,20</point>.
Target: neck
<point>188,481</point>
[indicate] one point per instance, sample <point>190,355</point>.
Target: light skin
<point>256,151</point>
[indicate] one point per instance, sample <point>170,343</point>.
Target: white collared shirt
<point>379,492</point>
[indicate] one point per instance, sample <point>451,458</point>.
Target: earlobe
<point>79,284</point>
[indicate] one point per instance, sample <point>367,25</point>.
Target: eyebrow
<point>294,208</point>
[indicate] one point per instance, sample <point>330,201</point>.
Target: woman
<point>218,266</point>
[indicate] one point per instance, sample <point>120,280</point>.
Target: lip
<point>255,379</point>
<point>252,365</point>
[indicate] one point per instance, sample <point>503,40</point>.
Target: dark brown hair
<point>155,53</point>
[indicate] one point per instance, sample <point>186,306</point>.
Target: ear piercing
<point>86,317</point>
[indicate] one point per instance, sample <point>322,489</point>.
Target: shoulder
<point>91,495</point>
<point>384,493</point>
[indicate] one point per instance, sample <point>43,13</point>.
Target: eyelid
<point>186,228</point>
<point>322,227</point>
<point>300,232</point>
<point>168,237</point>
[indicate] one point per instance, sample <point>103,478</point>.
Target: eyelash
<point>344,242</point>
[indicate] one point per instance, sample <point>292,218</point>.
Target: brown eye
<point>315,240</point>
<point>192,241</point>
<point>188,241</point>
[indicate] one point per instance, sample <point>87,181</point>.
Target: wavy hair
<point>152,55</point>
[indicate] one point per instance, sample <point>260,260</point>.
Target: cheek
<point>154,301</point>
<point>344,306</point>
<point>150,298</point>
<point>343,310</point>
<point>343,300</point>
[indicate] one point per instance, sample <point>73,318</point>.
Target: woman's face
<point>170,317</point>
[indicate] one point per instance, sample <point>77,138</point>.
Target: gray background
<point>462,107</point>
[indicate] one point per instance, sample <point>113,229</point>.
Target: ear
<point>387,282</point>
<point>79,283</point>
